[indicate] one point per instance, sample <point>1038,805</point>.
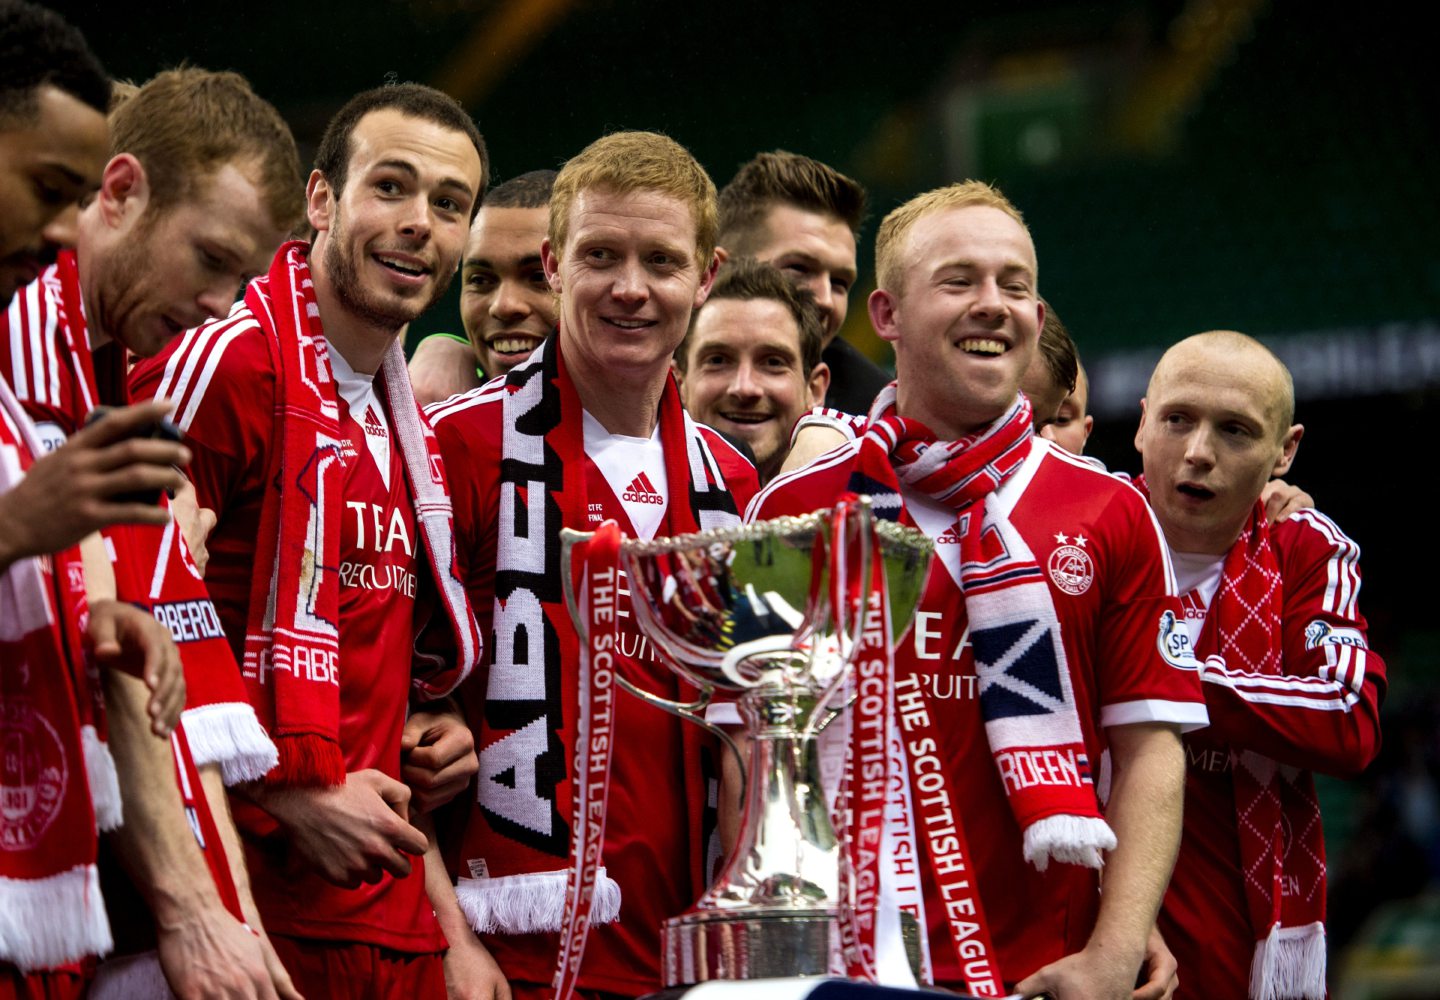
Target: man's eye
<point>480,281</point>
<point>841,286</point>
<point>447,204</point>
<point>387,187</point>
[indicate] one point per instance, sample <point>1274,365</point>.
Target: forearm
<point>439,887</point>
<point>155,844</point>
<point>219,802</point>
<point>1147,792</point>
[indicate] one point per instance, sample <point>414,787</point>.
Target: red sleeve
<point>740,476</point>
<point>222,383</point>
<point>817,485</point>
<point>1323,713</point>
<point>1140,678</point>
<point>36,361</point>
<point>468,430</point>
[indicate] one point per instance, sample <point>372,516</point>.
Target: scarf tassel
<point>1074,840</point>
<point>530,903</point>
<point>228,734</point>
<point>48,922</point>
<point>104,780</point>
<point>1289,964</point>
<point>307,760</point>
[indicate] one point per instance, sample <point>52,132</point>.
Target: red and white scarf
<point>1026,695</point>
<point>1277,814</point>
<point>292,640</point>
<point>51,910</point>
<point>152,565</point>
<point>534,718</point>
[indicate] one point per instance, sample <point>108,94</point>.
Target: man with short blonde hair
<point>590,429</point>
<point>1036,638</point>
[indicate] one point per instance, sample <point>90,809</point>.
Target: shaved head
<point>1240,355</point>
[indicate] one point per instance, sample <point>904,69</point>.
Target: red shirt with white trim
<point>647,837</point>
<point>1322,713</point>
<point>1109,579</point>
<point>226,411</point>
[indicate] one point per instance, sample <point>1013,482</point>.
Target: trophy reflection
<point>769,613</point>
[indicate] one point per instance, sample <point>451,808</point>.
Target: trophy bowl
<point>769,614</point>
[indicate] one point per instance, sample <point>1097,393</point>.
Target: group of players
<point>359,603</point>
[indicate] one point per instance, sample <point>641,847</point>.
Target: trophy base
<point>708,944</point>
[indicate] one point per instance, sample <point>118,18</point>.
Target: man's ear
<point>319,203</point>
<point>124,190</point>
<point>1287,450</point>
<point>819,384</point>
<point>551,264</point>
<point>707,280</point>
<point>1139,431</point>
<point>722,255</point>
<point>884,314</point>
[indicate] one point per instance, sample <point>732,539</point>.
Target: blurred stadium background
<point>1263,165</point>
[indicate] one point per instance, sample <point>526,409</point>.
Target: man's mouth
<point>984,346</point>
<point>1195,492</point>
<point>628,324</point>
<point>513,344</point>
<point>403,264</point>
<point>748,419</point>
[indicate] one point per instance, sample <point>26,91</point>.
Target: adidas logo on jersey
<point>641,490</point>
<point>373,425</point>
<point>948,537</point>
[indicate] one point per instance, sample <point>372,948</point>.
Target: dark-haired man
<point>333,542</point>
<point>202,187</point>
<point>53,99</point>
<point>750,364</point>
<point>803,217</point>
<point>505,303</point>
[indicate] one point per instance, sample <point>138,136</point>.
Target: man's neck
<point>628,407</point>
<point>95,336</point>
<point>362,344</point>
<point>945,426</point>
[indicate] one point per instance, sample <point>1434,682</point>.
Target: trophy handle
<point>691,711</point>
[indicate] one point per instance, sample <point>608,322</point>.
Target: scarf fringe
<point>1289,964</point>
<point>48,922</point>
<point>531,903</point>
<point>1074,840</point>
<point>306,760</point>
<point>229,734</point>
<point>103,779</point>
<point>131,977</point>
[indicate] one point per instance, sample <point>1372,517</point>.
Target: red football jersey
<point>1105,564</point>
<point>227,415</point>
<point>648,841</point>
<point>1322,713</point>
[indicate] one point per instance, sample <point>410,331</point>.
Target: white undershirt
<point>1197,573</point>
<point>358,391</point>
<point>635,469</point>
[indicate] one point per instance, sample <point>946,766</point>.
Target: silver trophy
<point>769,612</point>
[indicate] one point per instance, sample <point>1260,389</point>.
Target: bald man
<point>1288,677</point>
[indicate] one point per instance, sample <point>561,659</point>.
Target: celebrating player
<point>1035,641</point>
<point>1295,686</point>
<point>333,545</point>
<point>592,428</point>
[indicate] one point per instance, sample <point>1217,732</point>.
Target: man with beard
<point>505,302</point>
<point>332,545</point>
<point>750,365</point>
<point>803,217</point>
<point>590,429</point>
<point>202,186</point>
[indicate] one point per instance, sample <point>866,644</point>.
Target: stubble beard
<point>344,275</point>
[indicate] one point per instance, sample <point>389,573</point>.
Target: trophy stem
<point>772,909</point>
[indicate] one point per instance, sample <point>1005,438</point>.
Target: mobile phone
<point>160,430</point>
